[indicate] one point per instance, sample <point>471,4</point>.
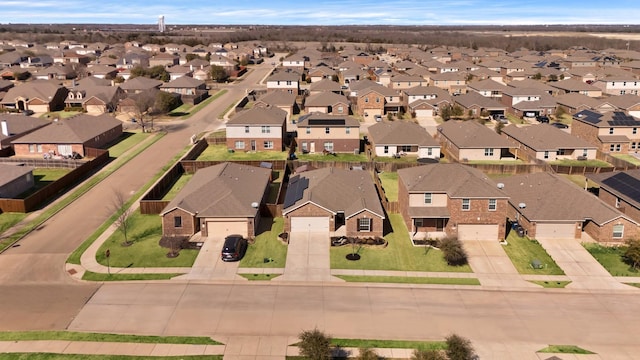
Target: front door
<point>253,145</point>
<point>312,147</point>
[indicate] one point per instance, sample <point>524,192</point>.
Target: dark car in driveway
<point>543,119</point>
<point>234,248</point>
<point>560,125</point>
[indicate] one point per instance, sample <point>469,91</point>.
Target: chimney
<point>5,129</point>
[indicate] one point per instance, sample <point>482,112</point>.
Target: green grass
<point>628,158</point>
<point>390,344</point>
<point>194,110</point>
<point>145,233</point>
<point>633,284</point>
<point>341,157</point>
<point>522,251</point>
<point>495,162</point>
<point>221,153</point>
<point>7,220</point>
<point>92,276</point>
<point>565,349</point>
<point>400,254</point>
<point>177,186</point>
<point>402,159</point>
<point>49,356</point>
<point>389,182</point>
<point>409,280</point>
<point>580,180</point>
<point>259,277</point>
<point>59,114</point>
<point>43,177</point>
<point>267,246</point>
<point>129,140</point>
<point>551,284</point>
<point>181,110</point>
<point>102,337</point>
<point>611,259</point>
<point>580,163</point>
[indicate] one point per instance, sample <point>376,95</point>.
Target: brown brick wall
<point>23,149</point>
<point>587,133</point>
<point>377,225</point>
<point>478,214</point>
<point>309,210</point>
<point>189,224</point>
<point>372,104</point>
<point>339,145</point>
<point>625,207</point>
<point>604,233</point>
<point>277,144</point>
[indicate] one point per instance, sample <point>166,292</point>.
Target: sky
<point>322,12</point>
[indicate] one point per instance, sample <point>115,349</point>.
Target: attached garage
<point>224,228</point>
<point>96,109</point>
<point>555,231</point>
<point>310,224</point>
<point>478,232</point>
<point>424,113</point>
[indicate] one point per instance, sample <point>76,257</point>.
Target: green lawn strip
<point>50,356</point>
<point>389,182</point>
<point>610,257</point>
<point>399,254</point>
<point>551,284</point>
<point>565,349</point>
<point>92,276</point>
<point>259,277</point>
<point>390,344</point>
<point>579,180</point>
<point>522,251</point>
<point>409,280</point>
<point>7,220</point>
<point>131,140</point>
<point>59,114</point>
<point>181,110</point>
<point>101,337</point>
<point>339,157</point>
<point>402,159</point>
<point>267,246</point>
<point>496,162</point>
<point>221,153</point>
<point>633,284</point>
<point>145,233</point>
<point>581,163</point>
<point>628,158</point>
<point>43,177</point>
<point>177,186</point>
<point>226,110</point>
<point>86,186</point>
<point>201,105</point>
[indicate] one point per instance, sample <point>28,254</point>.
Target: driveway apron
<point>209,266</point>
<point>307,258</point>
<point>491,264</point>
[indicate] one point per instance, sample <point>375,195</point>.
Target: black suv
<point>234,248</point>
<point>543,119</point>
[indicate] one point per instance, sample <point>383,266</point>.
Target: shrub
<point>453,251</point>
<point>315,345</point>
<point>459,348</point>
<point>427,355</point>
<point>632,255</point>
<point>367,353</point>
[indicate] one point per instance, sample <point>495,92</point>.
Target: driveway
<point>492,265</point>
<point>583,269</point>
<point>209,266</point>
<point>308,258</point>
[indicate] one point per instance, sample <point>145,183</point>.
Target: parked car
<point>543,119</point>
<point>560,125</point>
<point>27,112</point>
<point>378,118</point>
<point>234,248</point>
<point>501,118</point>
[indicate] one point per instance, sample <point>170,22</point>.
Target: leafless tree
<point>123,219</point>
<point>144,108</point>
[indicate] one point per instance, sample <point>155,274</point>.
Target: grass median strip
<point>100,337</point>
<point>259,277</point>
<point>410,280</point>
<point>92,276</point>
<point>201,105</point>
<point>390,344</point>
<point>565,349</point>
<point>551,284</point>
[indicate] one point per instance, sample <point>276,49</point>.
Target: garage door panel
<point>555,231</point>
<point>422,113</point>
<point>224,228</point>
<point>310,224</point>
<point>478,232</point>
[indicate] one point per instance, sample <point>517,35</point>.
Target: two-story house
<point>618,85</point>
<point>614,132</point>
<point>424,101</point>
<point>287,81</point>
<point>257,129</point>
<point>319,132</point>
<point>328,103</point>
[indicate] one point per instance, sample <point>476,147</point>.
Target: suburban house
<point>547,143</point>
<point>476,105</point>
<point>619,189</point>
<point>469,140</point>
<point>325,85</point>
<point>140,84</point>
<point>403,81</point>
<point>614,132</point>
<point>548,206</point>
<point>331,200</point>
<point>219,200</point>
<point>93,97</point>
<point>618,85</point>
<point>398,138</point>
<point>328,103</point>
<point>319,132</point>
<point>320,73</point>
<point>453,82</point>
<point>55,72</point>
<point>488,88</point>
<point>440,200</point>
<point>257,129</point>
<point>424,101</point>
<point>628,103</point>
<point>574,102</point>
<point>280,99</point>
<point>191,91</point>
<point>164,59</point>
<point>378,100</point>
<point>14,125</point>
<point>287,81</point>
<point>14,180</point>
<point>67,136</point>
<point>39,96</point>
<point>576,86</point>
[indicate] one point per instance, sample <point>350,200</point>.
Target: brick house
<point>547,143</point>
<point>618,189</point>
<point>440,200</point>
<point>614,132</point>
<point>14,125</point>
<point>38,96</point>
<point>287,81</point>
<point>257,129</point>
<point>548,206</point>
<point>318,132</point>
<point>328,103</point>
<point>469,140</point>
<point>327,199</point>
<point>218,201</point>
<point>391,138</point>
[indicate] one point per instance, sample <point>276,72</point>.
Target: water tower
<point>161,26</point>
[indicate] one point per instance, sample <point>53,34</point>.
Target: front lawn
<point>343,157</point>
<point>267,251</point>
<point>221,153</point>
<point>610,257</point>
<point>400,254</point>
<point>522,251</point>
<point>410,280</point>
<point>565,349</point>
<point>145,232</point>
<point>580,163</point>
<point>389,182</point>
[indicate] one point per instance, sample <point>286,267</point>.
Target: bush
<point>453,251</point>
<point>427,355</point>
<point>315,345</point>
<point>366,353</point>
<point>459,348</point>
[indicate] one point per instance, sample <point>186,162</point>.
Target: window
<point>610,131</point>
<point>488,152</point>
<point>560,152</point>
<point>618,147</point>
<point>386,149</point>
<point>268,144</point>
<point>366,100</point>
<point>308,130</point>
<point>493,204</point>
<point>377,99</point>
<point>418,222</point>
<point>634,131</point>
<point>328,146</point>
<point>612,147</point>
<point>347,130</point>
<point>618,202</point>
<point>364,224</point>
<point>239,144</point>
<point>546,154</point>
<point>32,148</point>
<point>327,130</point>
<point>427,198</point>
<point>633,145</point>
<point>177,221</point>
<point>618,231</point>
<point>584,152</point>
<point>266,129</point>
<point>430,151</point>
<point>246,129</point>
<point>622,92</point>
<point>405,148</point>
<point>39,148</point>
<point>466,204</point>
<point>340,110</point>
<point>288,82</point>
<point>304,147</point>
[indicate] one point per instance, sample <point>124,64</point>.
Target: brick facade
<point>309,210</point>
<point>377,225</point>
<point>339,145</point>
<point>278,145</point>
<point>351,224</point>
<point>623,206</point>
<point>190,224</point>
<point>371,101</point>
<point>604,233</point>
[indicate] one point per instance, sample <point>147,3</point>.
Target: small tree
<point>459,348</point>
<point>445,113</point>
<point>218,73</point>
<point>632,255</point>
<point>123,219</point>
<point>453,251</point>
<point>315,344</point>
<point>427,355</point>
<point>499,127</point>
<point>560,111</point>
<point>144,103</point>
<point>367,353</point>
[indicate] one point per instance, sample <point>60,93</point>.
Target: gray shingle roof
<point>400,133</point>
<point>544,137</point>
<point>472,135</point>
<point>9,173</point>
<point>74,130</point>
<point>259,116</point>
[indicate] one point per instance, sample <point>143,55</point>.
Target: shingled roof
<point>73,130</point>
<point>544,137</point>
<point>400,133</point>
<point>471,135</point>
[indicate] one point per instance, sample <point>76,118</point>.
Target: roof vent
<point>500,186</point>
<point>255,205</point>
<point>522,205</point>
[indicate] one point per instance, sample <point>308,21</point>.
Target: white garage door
<point>477,232</point>
<point>423,113</point>
<point>555,231</point>
<point>95,109</point>
<point>223,228</point>
<point>310,224</point>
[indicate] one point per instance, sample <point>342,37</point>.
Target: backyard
<point>221,153</point>
<point>340,157</point>
<point>389,182</point>
<point>580,163</point>
<point>522,251</point>
<point>628,158</point>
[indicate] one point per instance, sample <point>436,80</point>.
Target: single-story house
<point>470,140</point>
<point>394,138</point>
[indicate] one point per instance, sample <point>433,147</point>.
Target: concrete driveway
<point>308,258</point>
<point>583,269</point>
<point>209,266</point>
<point>492,265</point>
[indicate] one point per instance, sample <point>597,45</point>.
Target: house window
<point>377,99</point>
<point>340,109</point>
<point>610,131</point>
<point>466,204</point>
<point>622,92</point>
<point>266,129</point>
<point>304,147</point>
<point>618,147</point>
<point>560,152</point>
<point>633,145</point>
<point>617,202</point>
<point>488,152</point>
<point>618,231</point>
<point>493,204</point>
<point>634,131</point>
<point>430,151</point>
<point>308,130</point>
<point>239,145</point>
<point>268,144</point>
<point>405,148</point>
<point>246,129</point>
<point>427,198</point>
<point>386,149</point>
<point>366,100</point>
<point>288,82</point>
<point>177,221</point>
<point>39,148</point>
<point>612,147</point>
<point>364,224</point>
<point>347,130</point>
<point>418,222</point>
<point>584,152</point>
<point>327,130</point>
<point>546,154</point>
<point>328,146</point>
<point>32,148</point>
